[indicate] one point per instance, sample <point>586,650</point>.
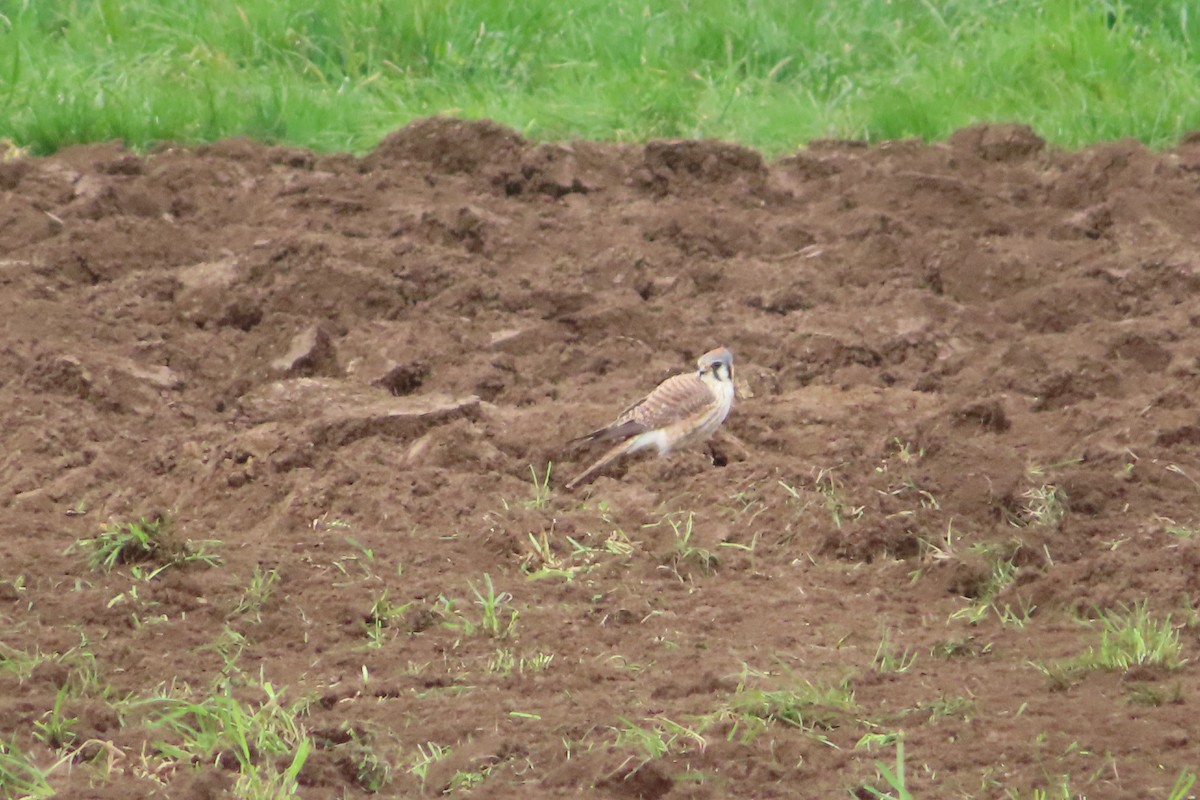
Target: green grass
<point>428,753</point>
<point>19,776</point>
<point>1128,637</point>
<point>55,728</point>
<point>658,738</point>
<point>1002,573</point>
<point>1132,637</point>
<point>145,540</point>
<point>265,742</point>
<point>495,619</point>
<point>124,543</point>
<point>372,771</point>
<point>772,73</point>
<point>806,706</point>
<point>257,592</point>
<point>80,662</point>
<point>504,662</point>
<point>383,612</point>
<point>760,699</point>
<point>890,659</point>
<point>685,554</point>
<point>895,778</point>
<point>540,499</point>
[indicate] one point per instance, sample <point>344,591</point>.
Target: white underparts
<point>659,438</point>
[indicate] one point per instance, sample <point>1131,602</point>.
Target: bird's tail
<point>613,453</point>
<point>618,430</point>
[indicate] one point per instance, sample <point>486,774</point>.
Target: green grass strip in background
<point>339,74</point>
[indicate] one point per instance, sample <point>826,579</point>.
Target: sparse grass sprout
<point>496,619</point>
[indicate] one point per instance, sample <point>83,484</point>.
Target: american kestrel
<point>682,410</point>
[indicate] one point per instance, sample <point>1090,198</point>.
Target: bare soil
<point>967,425</point>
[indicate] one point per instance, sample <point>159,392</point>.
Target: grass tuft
<point>895,778</point>
<point>540,499</point>
<point>55,728</point>
<point>427,754</point>
<point>255,739</point>
<point>19,776</point>
<point>121,543</point>
<point>656,739</point>
<point>382,614</point>
<point>257,592</point>
<point>888,659</point>
<point>495,618</point>
<point>1147,694</point>
<point>125,543</point>
<point>1001,573</point>
<point>1045,505</point>
<point>1131,637</point>
<point>799,704</point>
<point>685,553</point>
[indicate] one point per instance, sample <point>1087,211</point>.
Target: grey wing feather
<point>617,430</point>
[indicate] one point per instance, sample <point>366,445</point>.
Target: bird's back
<point>674,400</point>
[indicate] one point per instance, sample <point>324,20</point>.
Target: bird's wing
<point>676,398</point>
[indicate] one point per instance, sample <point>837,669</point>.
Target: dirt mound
<point>967,424</point>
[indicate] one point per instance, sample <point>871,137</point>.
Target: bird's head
<point>716,365</point>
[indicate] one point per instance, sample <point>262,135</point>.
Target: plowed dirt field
<point>966,431</point>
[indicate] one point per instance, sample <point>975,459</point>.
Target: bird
<point>682,410</point>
